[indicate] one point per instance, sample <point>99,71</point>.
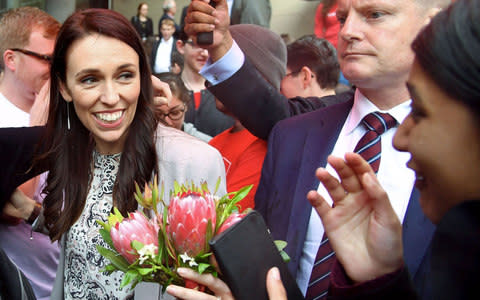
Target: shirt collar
<point>362,107</point>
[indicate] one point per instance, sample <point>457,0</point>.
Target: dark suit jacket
<point>455,265</point>
<point>297,147</point>
<point>259,106</point>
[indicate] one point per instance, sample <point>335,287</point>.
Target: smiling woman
<point>101,138</point>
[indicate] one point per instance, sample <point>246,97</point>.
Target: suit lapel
<point>417,234</point>
<point>321,136</point>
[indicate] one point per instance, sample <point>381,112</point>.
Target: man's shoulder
<point>331,111</point>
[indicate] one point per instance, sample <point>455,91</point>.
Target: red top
<point>243,155</point>
<point>329,27</point>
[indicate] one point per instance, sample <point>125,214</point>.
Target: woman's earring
<point>68,115</point>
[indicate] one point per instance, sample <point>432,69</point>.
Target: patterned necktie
<point>369,146</point>
<point>320,277</point>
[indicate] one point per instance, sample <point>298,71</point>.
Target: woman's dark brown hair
<point>69,151</point>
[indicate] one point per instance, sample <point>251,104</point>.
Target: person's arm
<point>17,147</point>
<point>258,107</point>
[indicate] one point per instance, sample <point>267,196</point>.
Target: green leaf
<point>145,271</point>
<point>106,237</point>
<point>208,235</point>
<point>116,259</point>
<point>110,268</point>
<point>136,245</point>
<point>155,194</point>
<point>280,244</point>
<point>202,267</point>
<point>105,226</point>
<point>217,185</point>
<point>130,276</point>
<point>241,193</point>
<point>285,256</point>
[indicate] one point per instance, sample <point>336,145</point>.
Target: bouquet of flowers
<point>150,247</point>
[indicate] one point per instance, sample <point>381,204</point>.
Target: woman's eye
<point>126,75</point>
<point>88,80</point>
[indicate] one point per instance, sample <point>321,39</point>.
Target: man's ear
<point>307,76</point>
<point>65,92</point>
<point>9,60</point>
<point>180,45</point>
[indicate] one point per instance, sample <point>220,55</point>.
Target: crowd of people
<point>361,141</point>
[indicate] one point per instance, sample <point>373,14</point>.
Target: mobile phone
<point>206,38</point>
<point>245,252</point>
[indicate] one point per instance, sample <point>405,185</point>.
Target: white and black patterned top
<point>83,280</point>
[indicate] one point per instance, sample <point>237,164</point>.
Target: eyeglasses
<point>174,115</point>
<point>192,44</point>
<point>44,57</point>
<point>295,73</point>
<point>292,73</point>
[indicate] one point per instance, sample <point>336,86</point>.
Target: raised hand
<point>202,17</point>
<point>362,227</point>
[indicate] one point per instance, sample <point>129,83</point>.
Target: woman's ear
<point>65,92</point>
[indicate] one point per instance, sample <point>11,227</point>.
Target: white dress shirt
<point>164,54</point>
<point>394,176</point>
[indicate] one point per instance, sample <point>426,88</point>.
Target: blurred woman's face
<point>144,10</point>
<point>103,82</point>
<point>443,137</point>
<point>176,113</point>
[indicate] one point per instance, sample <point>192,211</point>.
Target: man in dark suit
<point>374,55</point>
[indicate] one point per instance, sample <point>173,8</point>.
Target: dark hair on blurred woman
<point>450,55</point>
<point>68,152</point>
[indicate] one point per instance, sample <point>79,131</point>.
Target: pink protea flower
<point>188,216</point>
<point>136,227</point>
<point>230,221</point>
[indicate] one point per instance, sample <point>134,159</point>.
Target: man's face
<point>167,31</point>
<point>194,57</point>
<point>375,38</point>
<point>31,71</point>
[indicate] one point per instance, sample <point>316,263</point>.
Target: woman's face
<point>443,137</point>
<point>144,10</point>
<point>103,82</point>
<point>176,110</point>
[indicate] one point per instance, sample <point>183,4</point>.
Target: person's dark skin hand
<point>202,17</point>
<point>362,227</point>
